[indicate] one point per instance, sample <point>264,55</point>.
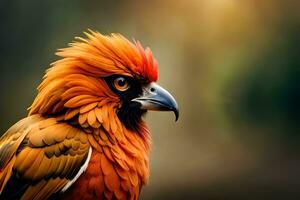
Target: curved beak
<point>157,98</point>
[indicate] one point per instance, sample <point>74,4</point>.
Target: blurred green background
<point>232,65</point>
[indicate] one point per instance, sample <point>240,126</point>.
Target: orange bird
<point>84,137</point>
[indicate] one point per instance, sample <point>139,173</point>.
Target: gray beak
<point>157,98</point>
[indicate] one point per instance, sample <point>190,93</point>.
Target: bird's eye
<point>121,84</point>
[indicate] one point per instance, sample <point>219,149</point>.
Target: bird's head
<point>103,78</point>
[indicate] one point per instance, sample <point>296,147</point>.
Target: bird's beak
<point>155,97</point>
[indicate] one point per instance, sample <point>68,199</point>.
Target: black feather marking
<point>14,188</point>
<point>130,113</point>
<point>23,144</point>
<point>4,155</point>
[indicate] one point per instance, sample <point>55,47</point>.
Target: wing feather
<point>44,154</point>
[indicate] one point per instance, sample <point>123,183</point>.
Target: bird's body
<point>84,137</point>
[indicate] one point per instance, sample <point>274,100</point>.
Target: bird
<point>85,136</point>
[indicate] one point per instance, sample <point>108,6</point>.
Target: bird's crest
<point>83,65</point>
<point>113,54</point>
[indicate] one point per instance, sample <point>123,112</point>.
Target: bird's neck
<point>126,149</point>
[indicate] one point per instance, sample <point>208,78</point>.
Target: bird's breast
<point>115,171</point>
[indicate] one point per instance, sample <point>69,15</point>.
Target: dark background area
<point>232,65</point>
